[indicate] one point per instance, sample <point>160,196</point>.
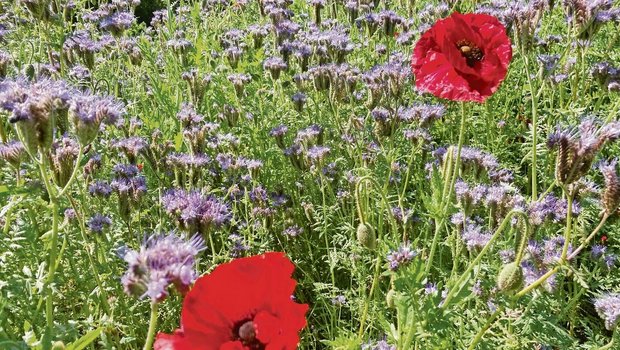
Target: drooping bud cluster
<point>198,84</point>
<point>366,236</point>
<point>577,148</point>
<point>590,15</point>
<point>161,262</point>
<point>129,186</point>
<point>611,194</point>
<point>63,156</point>
<point>539,257</point>
<point>13,153</point>
<point>520,17</point>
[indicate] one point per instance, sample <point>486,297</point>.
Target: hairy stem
<point>150,337</point>
<point>457,286</point>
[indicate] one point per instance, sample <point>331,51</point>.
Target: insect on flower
<point>464,57</point>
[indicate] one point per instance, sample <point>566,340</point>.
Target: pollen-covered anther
<point>470,51</point>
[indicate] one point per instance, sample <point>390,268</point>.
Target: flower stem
<point>538,282</point>
<point>431,254</point>
<point>375,280</point>
<point>49,298</point>
<point>485,328</point>
<point>534,126</point>
<point>457,286</point>
<point>73,173</point>
<point>457,162</point>
<point>585,243</point>
<point>569,226</point>
<point>150,338</point>
<point>611,342</point>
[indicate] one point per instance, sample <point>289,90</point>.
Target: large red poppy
<point>245,304</point>
<point>463,57</point>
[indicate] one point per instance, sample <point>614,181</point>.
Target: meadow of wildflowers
<point>312,174</point>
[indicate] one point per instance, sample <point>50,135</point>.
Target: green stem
<point>80,218</point>
<point>431,254</point>
<point>375,280</point>
<point>73,174</point>
<point>590,237</point>
<point>485,328</point>
<point>152,325</point>
<point>457,286</point>
<point>457,163</point>
<point>534,127</point>
<point>49,295</point>
<point>611,342</point>
<point>569,226</point>
<point>538,282</point>
<point>49,301</point>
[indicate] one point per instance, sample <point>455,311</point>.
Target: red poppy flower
<point>462,57</point>
<point>242,305</point>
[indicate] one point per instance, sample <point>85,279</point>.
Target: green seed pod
<point>58,345</point>
<point>510,277</point>
<point>366,236</point>
<point>390,298</point>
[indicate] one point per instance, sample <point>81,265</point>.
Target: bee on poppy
<point>463,57</point>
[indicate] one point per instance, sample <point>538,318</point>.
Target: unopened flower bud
<point>510,277</point>
<point>366,236</point>
<point>58,345</point>
<point>611,194</point>
<point>63,157</point>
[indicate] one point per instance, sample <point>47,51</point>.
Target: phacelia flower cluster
<point>161,262</point>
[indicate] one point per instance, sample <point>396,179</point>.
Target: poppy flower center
<point>246,334</point>
<point>470,51</point>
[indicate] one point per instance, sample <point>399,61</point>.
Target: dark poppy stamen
<point>470,51</point>
<point>246,333</point>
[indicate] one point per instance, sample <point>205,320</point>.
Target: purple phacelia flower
<point>475,237</point>
<point>162,261</point>
<point>292,231</point>
<point>318,153</point>
<point>100,189</point>
<point>98,222</point>
<point>401,257</point>
<point>608,308</point>
<point>195,211</point>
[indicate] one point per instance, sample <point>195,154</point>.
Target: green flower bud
<point>58,345</point>
<point>366,236</point>
<point>510,277</point>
